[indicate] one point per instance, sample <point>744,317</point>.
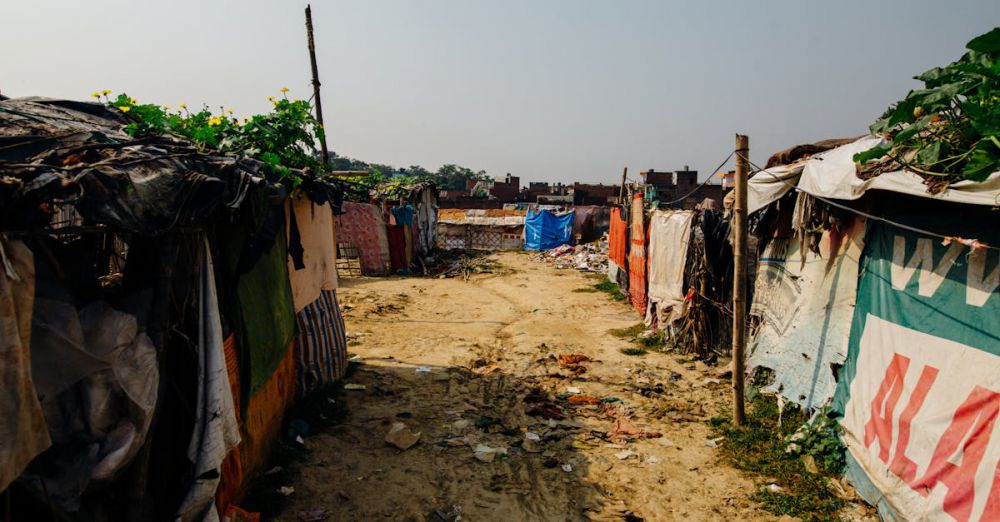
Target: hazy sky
<point>548,90</point>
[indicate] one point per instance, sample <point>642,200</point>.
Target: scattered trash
<point>286,491</point>
<point>401,436</point>
<point>810,464</point>
<point>235,514</point>
<point>547,411</point>
<point>486,370</point>
<point>714,443</point>
<point>531,443</point>
<point>355,387</point>
<point>574,390</point>
<point>773,488</point>
<point>299,440</point>
<point>314,515</point>
<point>624,454</point>
<point>584,400</point>
<point>573,362</point>
<point>461,424</point>
<point>610,400</point>
<point>404,415</point>
<point>424,369</point>
<point>589,257</point>
<point>487,454</point>
<point>485,422</point>
<point>651,459</point>
<point>274,470</point>
<point>356,359</point>
<point>581,445</point>
<point>568,468</point>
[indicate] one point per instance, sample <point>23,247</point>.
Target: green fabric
<point>260,306</point>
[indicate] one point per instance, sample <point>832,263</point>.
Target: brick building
<point>673,185</point>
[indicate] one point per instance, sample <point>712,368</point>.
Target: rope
<point>971,243</point>
<point>703,183</point>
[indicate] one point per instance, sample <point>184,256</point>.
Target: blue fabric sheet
<point>546,230</point>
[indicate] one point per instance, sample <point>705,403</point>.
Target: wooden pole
<point>315,83</point>
<point>739,277</point>
<point>621,191</point>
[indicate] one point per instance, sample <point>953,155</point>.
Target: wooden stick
<point>315,82</point>
<point>621,192</point>
<point>739,277</point>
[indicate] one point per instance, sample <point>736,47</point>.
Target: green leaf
<point>873,153</point>
<point>931,154</point>
<point>984,161</point>
<point>912,130</point>
<point>986,43</point>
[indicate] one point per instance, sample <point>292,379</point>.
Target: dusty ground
<point>582,468</point>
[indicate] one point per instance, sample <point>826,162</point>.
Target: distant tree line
<point>448,177</point>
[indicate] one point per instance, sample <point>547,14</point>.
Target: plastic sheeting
<point>669,235</point>
<point>321,346</point>
<point>425,221</point>
<point>545,230</point>
<point>23,433</point>
<point>637,255</point>
<point>216,430</point>
<point>97,378</point>
<point>805,311</point>
<point>833,174</point>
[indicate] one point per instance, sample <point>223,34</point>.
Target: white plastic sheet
<point>669,235</point>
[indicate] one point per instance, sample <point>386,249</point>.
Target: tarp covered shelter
<point>545,229</point>
<point>134,262</point>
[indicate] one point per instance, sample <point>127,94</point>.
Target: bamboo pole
<point>739,277</point>
<point>316,84</point>
<point>621,191</point>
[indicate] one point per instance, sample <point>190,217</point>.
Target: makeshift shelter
<point>480,229</point>
<point>590,223</point>
<point>669,236</point>
<point>127,263</point>
<point>545,230</point>
<point>875,305</point>
<point>637,254</point>
<point>361,234</point>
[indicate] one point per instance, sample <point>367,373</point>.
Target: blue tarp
<point>546,230</point>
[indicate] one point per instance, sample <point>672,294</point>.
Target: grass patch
<point>628,332</point>
<point>760,446</point>
<point>634,351</point>
<point>604,285</point>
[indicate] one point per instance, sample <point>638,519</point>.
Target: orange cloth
<point>637,256</point>
<point>617,238</point>
<point>260,428</point>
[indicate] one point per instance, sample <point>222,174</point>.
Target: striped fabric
<point>321,350</point>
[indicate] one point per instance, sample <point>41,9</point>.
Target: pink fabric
<point>362,226</point>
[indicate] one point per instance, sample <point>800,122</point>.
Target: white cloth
<point>669,235</point>
<point>315,223</point>
<point>216,430</point>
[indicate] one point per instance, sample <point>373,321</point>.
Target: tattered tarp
<point>216,430</point>
<point>545,230</point>
<point>57,150</point>
<point>253,256</point>
<point>833,174</point>
<point>669,235</point>
<point>23,433</point>
<point>590,223</point>
<point>637,255</point>
<point>321,346</point>
<point>361,226</point>
<point>425,219</point>
<point>617,246</point>
<point>804,309</point>
<point>920,391</point>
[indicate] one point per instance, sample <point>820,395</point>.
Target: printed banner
<point>920,393</point>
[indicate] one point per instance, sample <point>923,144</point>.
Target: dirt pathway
<point>470,363</point>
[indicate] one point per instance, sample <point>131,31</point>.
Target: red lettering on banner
<point>992,509</point>
<point>888,395</point>
<point>973,423</point>
<point>902,466</point>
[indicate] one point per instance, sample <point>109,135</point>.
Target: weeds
<point>762,447</point>
<point>604,285</point>
<point>628,332</point>
<point>634,351</point>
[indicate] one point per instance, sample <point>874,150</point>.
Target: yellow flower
<point>124,108</point>
<point>270,98</point>
<point>95,94</point>
<point>215,121</point>
<point>183,106</point>
<point>166,107</point>
<point>229,111</point>
<point>133,101</point>
<point>284,89</point>
<point>106,92</point>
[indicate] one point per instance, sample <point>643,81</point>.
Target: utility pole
<point>739,277</point>
<point>621,191</point>
<point>315,82</point>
